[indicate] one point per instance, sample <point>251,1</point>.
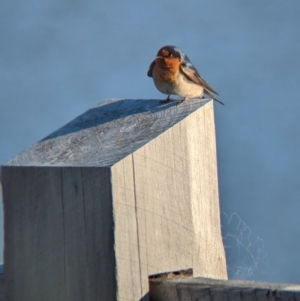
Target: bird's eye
<point>171,55</point>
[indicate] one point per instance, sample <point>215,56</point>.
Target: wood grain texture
<point>33,237</point>
<point>189,289</point>
<point>97,233</point>
<point>166,206</point>
<point>59,242</point>
<point>132,284</point>
<point>106,133</point>
<point>177,198</point>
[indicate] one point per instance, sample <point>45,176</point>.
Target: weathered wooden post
<point>126,190</point>
<point>204,289</point>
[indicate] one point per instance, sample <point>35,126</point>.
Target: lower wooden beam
<point>188,289</point>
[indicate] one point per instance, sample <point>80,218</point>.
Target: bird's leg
<point>166,100</point>
<point>180,101</point>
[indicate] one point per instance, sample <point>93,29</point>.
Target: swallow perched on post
<point>174,74</point>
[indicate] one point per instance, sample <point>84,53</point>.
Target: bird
<point>174,74</point>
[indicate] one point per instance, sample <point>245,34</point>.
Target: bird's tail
<point>219,101</point>
<point>213,97</point>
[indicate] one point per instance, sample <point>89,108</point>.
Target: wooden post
<point>126,190</point>
<point>189,289</point>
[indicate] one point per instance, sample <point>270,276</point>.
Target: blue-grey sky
<point>58,58</point>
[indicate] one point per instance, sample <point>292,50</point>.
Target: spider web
<point>245,253</point>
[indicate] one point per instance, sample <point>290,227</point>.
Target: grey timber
<point>204,289</point>
<point>126,190</point>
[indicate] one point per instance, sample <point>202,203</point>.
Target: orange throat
<point>167,68</point>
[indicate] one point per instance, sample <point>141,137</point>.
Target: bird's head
<point>168,55</point>
<point>169,51</point>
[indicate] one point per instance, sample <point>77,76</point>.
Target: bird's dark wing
<point>192,74</point>
<point>149,73</point>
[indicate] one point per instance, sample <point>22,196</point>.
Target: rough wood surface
<point>97,233</point>
<point>106,133</point>
<point>190,289</point>
<point>59,242</point>
<point>166,206</point>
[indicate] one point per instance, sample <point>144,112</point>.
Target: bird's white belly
<point>163,86</point>
<point>182,87</point>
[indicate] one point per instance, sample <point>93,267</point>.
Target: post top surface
<point>107,133</point>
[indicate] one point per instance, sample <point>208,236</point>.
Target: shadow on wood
<point>107,112</point>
